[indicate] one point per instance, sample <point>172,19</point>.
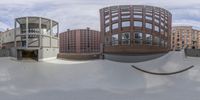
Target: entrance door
<point>30,54</point>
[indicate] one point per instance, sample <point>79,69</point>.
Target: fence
<point>4,52</point>
<point>192,52</point>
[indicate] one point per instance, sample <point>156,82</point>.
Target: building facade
<point>135,29</point>
<point>1,39</point>
<point>7,38</point>
<point>79,42</point>
<point>185,37</point>
<point>37,38</point>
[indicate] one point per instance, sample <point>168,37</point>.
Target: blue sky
<point>73,14</point>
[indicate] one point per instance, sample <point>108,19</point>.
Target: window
<point>138,11</point>
<point>157,16</point>
<point>137,16</point>
<point>107,16</point>
<point>162,43</point>
<point>107,21</point>
<point>162,24</point>
<point>148,18</point>
<point>162,18</point>
<point>148,13</point>
<point>115,26</point>
<point>125,16</point>
<point>165,44</point>
<point>107,42</point>
<point>148,25</point>
<point>115,39</point>
<point>138,23</point>
<point>126,24</point>
<point>162,31</point>
<point>114,14</point>
<point>115,18</point>
<point>156,28</point>
<point>156,40</point>
<point>126,38</point>
<point>138,38</point>
<point>125,12</point>
<point>157,21</point>
<point>107,29</point>
<point>149,39</point>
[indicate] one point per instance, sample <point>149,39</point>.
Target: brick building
<point>79,42</point>
<point>135,29</point>
<point>185,37</point>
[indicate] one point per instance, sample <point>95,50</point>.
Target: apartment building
<point>185,37</point>
<point>79,42</point>
<point>7,38</point>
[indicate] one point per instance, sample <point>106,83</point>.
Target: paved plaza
<point>99,79</point>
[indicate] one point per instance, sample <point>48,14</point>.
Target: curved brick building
<point>135,29</point>
<point>79,44</point>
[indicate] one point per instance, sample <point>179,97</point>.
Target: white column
<point>51,33</point>
<point>27,32</point>
<point>15,32</point>
<point>40,28</point>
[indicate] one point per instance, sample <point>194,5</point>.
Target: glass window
<point>156,28</point>
<point>107,16</point>
<point>126,38</point>
<point>162,43</point>
<point>156,40</point>
<point>125,16</point>
<point>149,39</point>
<point>126,24</point>
<point>115,40</point>
<point>115,18</point>
<point>113,14</point>
<point>138,23</point>
<point>125,12</point>
<point>165,44</point>
<point>148,13</point>
<point>166,21</point>
<point>157,21</point>
<point>157,16</point>
<point>137,16</point>
<point>162,24</point>
<point>148,25</point>
<point>107,42</point>
<point>138,38</point>
<point>165,34</point>
<point>162,31</point>
<point>162,18</point>
<point>107,21</point>
<point>107,28</point>
<point>166,27</point>
<point>148,18</point>
<point>115,26</point>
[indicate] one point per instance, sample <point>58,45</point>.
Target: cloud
<point>73,14</point>
<point>3,27</point>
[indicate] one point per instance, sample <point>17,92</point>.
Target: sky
<point>79,14</point>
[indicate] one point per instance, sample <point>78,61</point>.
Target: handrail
<point>155,73</point>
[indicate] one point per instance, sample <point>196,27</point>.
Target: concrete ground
<point>99,80</point>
